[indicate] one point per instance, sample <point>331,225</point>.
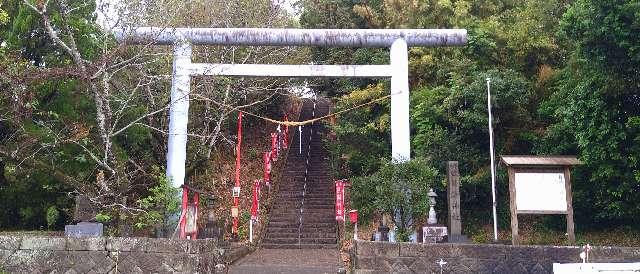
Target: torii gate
<point>398,40</point>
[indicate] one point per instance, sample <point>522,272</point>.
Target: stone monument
<point>211,229</point>
<point>84,214</point>
<point>453,193</point>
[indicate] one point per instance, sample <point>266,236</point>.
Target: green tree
<point>595,111</point>
<point>513,43</point>
<point>90,113</point>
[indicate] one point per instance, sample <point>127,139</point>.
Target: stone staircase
<point>302,216</point>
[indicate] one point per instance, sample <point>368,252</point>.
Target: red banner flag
<point>183,216</point>
<point>285,141</point>
<point>255,204</point>
<point>353,216</point>
<point>340,201</point>
<point>266,157</point>
<point>274,147</point>
<point>234,228</point>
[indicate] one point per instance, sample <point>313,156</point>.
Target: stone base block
<point>458,239</point>
<point>84,229</point>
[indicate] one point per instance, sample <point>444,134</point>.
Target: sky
<point>107,14</point>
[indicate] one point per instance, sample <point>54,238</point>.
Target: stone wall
<point>384,257</point>
<point>32,254</point>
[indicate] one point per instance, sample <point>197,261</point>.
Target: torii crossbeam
<point>398,40</point>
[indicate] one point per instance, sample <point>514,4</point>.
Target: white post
<point>400,139</point>
<point>493,167</point>
<point>300,139</point>
<point>179,113</point>
<point>355,231</point>
<point>251,231</point>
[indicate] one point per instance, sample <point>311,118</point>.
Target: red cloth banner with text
<point>274,147</point>
<point>267,168</point>
<point>285,141</point>
<point>255,203</point>
<point>340,201</point>
<point>234,228</point>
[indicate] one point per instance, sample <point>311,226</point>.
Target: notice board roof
<point>530,160</point>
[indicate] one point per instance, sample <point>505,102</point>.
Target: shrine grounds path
<point>301,234</point>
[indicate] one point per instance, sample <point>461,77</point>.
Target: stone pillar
<point>179,114</point>
<point>400,130</point>
<point>453,197</point>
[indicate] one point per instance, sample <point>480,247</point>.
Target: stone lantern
<point>433,232</point>
<point>432,212</point>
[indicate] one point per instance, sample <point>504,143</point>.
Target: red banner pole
<point>339,201</point>
<point>183,217</point>
<point>255,203</point>
<point>285,142</point>
<point>267,168</point>
<point>234,229</point>
<point>196,203</point>
<point>274,150</point>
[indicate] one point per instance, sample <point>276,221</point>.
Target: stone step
<point>307,201</point>
<point>272,224</point>
<point>296,207</point>
<point>306,212</point>
<point>307,193</point>
<point>296,230</point>
<point>303,235</point>
<point>308,196</point>
<point>297,240</point>
<point>292,184</point>
<point>296,224</point>
<point>321,186</point>
<point>310,189</point>
<point>299,178</point>
<point>306,206</point>
<point>297,210</point>
<point>311,216</point>
<point>307,224</point>
<point>300,246</point>
<point>305,219</point>
<point>311,172</point>
<point>319,240</point>
<point>269,240</point>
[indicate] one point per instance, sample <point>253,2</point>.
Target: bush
<point>52,216</point>
<point>398,189</point>
<point>160,206</point>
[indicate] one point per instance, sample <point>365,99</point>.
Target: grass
<point>540,230</point>
<point>31,233</point>
<point>533,230</point>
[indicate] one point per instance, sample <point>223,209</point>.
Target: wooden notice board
<point>540,185</point>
